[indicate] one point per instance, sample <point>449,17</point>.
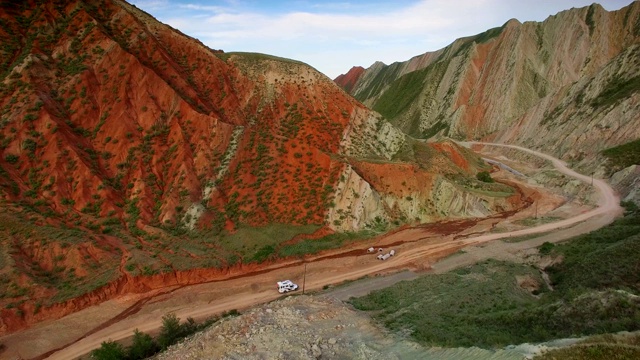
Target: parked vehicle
<point>286,286</point>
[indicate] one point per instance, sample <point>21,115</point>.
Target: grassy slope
<point>481,305</point>
<point>405,91</point>
<point>623,156</point>
<point>396,101</point>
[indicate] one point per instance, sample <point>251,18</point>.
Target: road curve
<point>608,208</point>
<point>608,201</point>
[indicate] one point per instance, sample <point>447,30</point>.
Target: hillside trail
<point>418,249</point>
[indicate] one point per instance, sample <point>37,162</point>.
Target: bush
<point>545,249</point>
<point>170,331</point>
<point>109,350</point>
<point>11,158</point>
<point>484,176</point>
<point>143,346</point>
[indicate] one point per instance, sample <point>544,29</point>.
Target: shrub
<point>143,346</point>
<point>170,331</point>
<point>484,176</point>
<point>11,158</point>
<point>109,350</point>
<point>545,249</point>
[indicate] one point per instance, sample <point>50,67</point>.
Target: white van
<point>286,286</point>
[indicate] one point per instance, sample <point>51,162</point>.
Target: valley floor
<point>418,249</point>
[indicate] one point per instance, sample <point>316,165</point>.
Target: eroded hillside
<point>131,154</point>
<point>567,85</point>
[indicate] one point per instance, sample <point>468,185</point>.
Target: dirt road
<point>417,249</point>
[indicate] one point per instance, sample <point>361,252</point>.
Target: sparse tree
<point>109,350</point>
<point>170,331</point>
<point>143,346</point>
<point>484,176</point>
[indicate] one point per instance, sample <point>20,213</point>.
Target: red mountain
<point>130,151</point>
<point>348,81</point>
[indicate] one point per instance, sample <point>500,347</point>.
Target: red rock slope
<point>126,147</point>
<point>348,81</point>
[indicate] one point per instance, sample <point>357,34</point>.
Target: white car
<point>286,286</point>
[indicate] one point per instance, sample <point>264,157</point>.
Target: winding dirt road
<point>608,201</point>
<point>417,249</point>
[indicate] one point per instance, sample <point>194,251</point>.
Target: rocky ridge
<point>567,85</point>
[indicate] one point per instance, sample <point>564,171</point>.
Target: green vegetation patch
<point>623,156</point>
<point>608,258</point>
<point>401,94</point>
<point>481,38</point>
<point>453,309</point>
<point>595,291</point>
<point>484,176</point>
<point>381,80</point>
<point>257,244</point>
<point>406,90</point>
<point>616,90</point>
<point>313,246</point>
<point>435,128</point>
<point>144,346</point>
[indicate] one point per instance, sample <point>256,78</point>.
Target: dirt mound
<point>310,327</point>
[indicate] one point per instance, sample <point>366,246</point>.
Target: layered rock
<point>136,146</point>
<point>567,85</point>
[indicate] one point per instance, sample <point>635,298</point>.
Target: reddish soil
<point>348,81</point>
<point>113,123</point>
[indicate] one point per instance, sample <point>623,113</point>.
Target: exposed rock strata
<point>126,146</point>
<point>567,85</point>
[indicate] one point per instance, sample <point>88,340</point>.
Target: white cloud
<point>203,7</point>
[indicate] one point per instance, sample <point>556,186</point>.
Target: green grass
<point>333,241</point>
<point>616,90</point>
<point>481,38</point>
<point>482,306</point>
<point>447,309</point>
<point>254,242</point>
<point>434,129</point>
<point>405,91</point>
<point>383,79</point>
<point>622,156</point>
<point>401,94</point>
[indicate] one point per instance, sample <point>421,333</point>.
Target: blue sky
<point>333,36</point>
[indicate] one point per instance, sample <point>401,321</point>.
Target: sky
<point>332,36</point>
